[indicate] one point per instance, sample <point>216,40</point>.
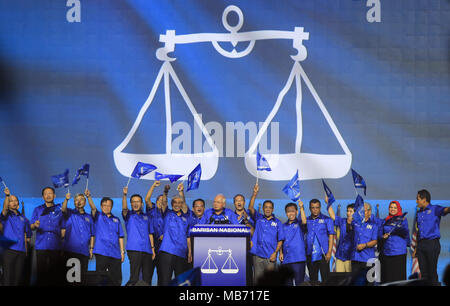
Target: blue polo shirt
<point>364,233</point>
<point>249,218</point>
<point>398,240</point>
<point>294,243</point>
<point>157,220</point>
<point>176,232</point>
<point>79,230</point>
<point>108,230</point>
<point>227,215</point>
<point>139,228</point>
<point>322,227</point>
<point>266,236</point>
<point>345,245</point>
<point>15,227</point>
<point>48,234</point>
<point>428,222</point>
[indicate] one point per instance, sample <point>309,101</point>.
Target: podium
<point>220,250</point>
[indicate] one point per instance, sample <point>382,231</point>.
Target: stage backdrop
<point>316,86</point>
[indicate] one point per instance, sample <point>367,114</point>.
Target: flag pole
<point>129,179</point>
<point>87,183</point>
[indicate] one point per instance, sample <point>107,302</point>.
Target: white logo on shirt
<point>273,223</point>
<point>321,221</point>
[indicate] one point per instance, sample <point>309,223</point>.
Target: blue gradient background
<point>70,92</point>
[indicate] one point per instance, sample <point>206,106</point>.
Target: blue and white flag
<point>358,181</point>
<point>61,180</point>
<point>171,177</point>
<point>142,169</point>
<point>316,254</point>
<point>2,182</point>
<point>330,195</point>
<point>261,163</point>
<point>397,221</point>
<point>82,171</point>
<point>194,178</point>
<point>188,278</point>
<point>292,189</point>
<point>359,215</point>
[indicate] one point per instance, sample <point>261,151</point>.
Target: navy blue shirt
<point>139,228</point>
<point>428,221</point>
<point>226,216</point>
<point>364,233</point>
<point>48,234</point>
<point>266,236</point>
<point>108,230</point>
<point>294,244</point>
<point>157,220</point>
<point>345,245</point>
<point>15,227</point>
<point>176,232</point>
<point>398,240</point>
<point>322,226</point>
<point>79,230</point>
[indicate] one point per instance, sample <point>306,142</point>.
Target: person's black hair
<point>268,201</point>
<point>201,200</point>
<point>104,199</point>
<point>136,195</point>
<point>238,195</point>
<point>314,201</point>
<point>424,194</point>
<point>48,187</point>
<point>290,205</point>
<point>352,206</point>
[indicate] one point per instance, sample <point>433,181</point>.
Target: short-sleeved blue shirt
<point>364,233</point>
<point>15,227</point>
<point>227,215</point>
<point>139,229</point>
<point>48,234</point>
<point>157,220</point>
<point>266,236</point>
<point>79,230</point>
<point>176,232</point>
<point>322,226</point>
<point>398,240</point>
<point>294,249</point>
<point>428,222</point>
<point>108,230</point>
<point>345,245</point>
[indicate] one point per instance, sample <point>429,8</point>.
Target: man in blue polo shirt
<point>78,230</point>
<point>108,249</point>
<point>344,249</point>
<point>140,246</point>
<point>293,253</point>
<point>175,251</point>
<point>219,214</point>
<point>47,221</point>
<point>319,240</point>
<point>428,235</point>
<point>15,227</point>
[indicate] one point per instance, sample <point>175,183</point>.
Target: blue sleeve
<point>439,210</point>
<point>92,228</point>
<point>281,233</point>
<point>120,230</point>
<point>375,232</point>
<point>28,228</point>
<point>150,226</point>
<point>330,227</point>
<point>337,221</point>
<point>34,216</point>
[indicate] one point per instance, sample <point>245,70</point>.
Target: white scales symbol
<point>312,166</point>
<point>229,266</point>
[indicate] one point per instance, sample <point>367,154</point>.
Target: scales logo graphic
<point>209,265</point>
<point>313,166</point>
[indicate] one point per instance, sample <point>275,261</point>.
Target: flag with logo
<point>61,180</point>
<point>194,178</point>
<point>329,194</point>
<point>84,170</point>
<point>142,169</point>
<point>316,254</point>
<point>172,177</point>
<point>261,163</point>
<point>359,215</point>
<point>188,278</point>
<point>358,181</point>
<point>292,189</point>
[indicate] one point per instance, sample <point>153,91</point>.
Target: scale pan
<point>209,271</point>
<point>169,163</point>
<point>230,271</point>
<point>310,166</point>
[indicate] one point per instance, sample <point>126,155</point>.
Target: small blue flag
<point>171,177</point>
<point>292,189</point>
<point>61,180</point>
<point>142,169</point>
<point>398,220</point>
<point>359,215</point>
<point>317,249</point>
<point>261,163</point>
<point>188,278</point>
<point>82,171</point>
<point>330,195</point>
<point>194,178</point>
<point>358,181</point>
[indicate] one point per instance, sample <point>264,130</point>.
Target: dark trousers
<point>168,264</point>
<point>140,262</point>
<point>112,265</point>
<point>84,262</point>
<point>13,267</point>
<point>49,268</point>
<point>393,268</point>
<point>316,266</point>
<point>428,254</point>
<point>299,272</point>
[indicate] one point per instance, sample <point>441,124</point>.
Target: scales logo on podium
<point>209,265</point>
<point>313,166</point>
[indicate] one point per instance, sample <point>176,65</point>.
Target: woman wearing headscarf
<point>396,240</point>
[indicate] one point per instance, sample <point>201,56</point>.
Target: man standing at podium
<point>219,214</point>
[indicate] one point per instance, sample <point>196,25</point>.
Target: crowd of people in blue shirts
<point>158,237</point>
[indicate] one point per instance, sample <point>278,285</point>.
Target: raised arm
<point>164,201</point>
<point>330,209</point>
<point>180,189</point>
<point>6,201</point>
<point>302,211</point>
<point>148,201</point>
<point>124,201</point>
<point>87,193</point>
<point>64,204</point>
<point>251,205</point>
